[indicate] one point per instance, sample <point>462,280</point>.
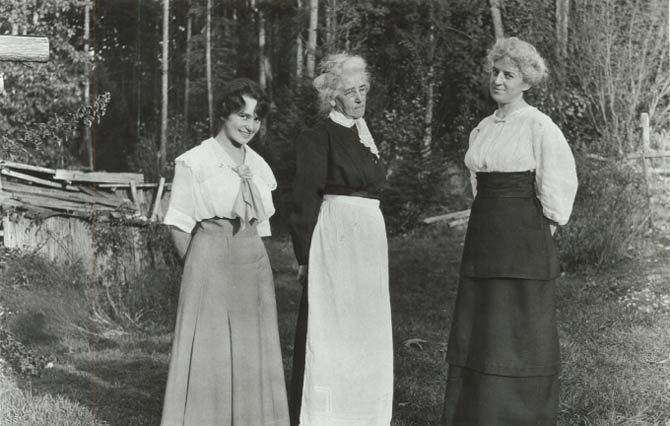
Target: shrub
<point>137,285</point>
<point>609,212</point>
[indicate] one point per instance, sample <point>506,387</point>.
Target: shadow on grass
<point>117,391</point>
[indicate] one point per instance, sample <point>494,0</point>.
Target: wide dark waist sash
<point>346,190</point>
<point>508,236</point>
<point>506,184</point>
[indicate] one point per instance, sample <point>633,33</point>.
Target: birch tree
<point>208,65</point>
<point>164,97</point>
<point>299,49</point>
<point>311,37</point>
<point>88,142</point>
<point>562,13</point>
<point>497,19</point>
<point>187,65</point>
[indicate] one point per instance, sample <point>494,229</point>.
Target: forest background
<point>106,100</point>
<point>98,103</point>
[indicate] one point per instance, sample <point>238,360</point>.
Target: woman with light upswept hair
<point>503,348</point>
<point>343,354</point>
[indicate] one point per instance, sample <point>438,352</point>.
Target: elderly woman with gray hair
<point>503,348</point>
<point>343,354</point>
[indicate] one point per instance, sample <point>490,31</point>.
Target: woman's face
<point>350,99</point>
<point>241,126</point>
<point>506,82</point>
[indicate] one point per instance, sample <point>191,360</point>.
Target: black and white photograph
<point>334,212</point>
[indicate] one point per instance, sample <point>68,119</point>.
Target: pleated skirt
<point>226,366</point>
<point>348,374</point>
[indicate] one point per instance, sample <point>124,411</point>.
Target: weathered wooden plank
<point>6,201</point>
<point>24,48</point>
<point>26,167</point>
<point>52,203</point>
<point>138,185</point>
<point>463,214</point>
<point>98,177</point>
<point>40,181</point>
<point>81,197</point>
<point>111,196</point>
<point>648,154</point>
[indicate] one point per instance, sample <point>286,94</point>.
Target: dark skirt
<point>503,354</point>
<point>503,350</point>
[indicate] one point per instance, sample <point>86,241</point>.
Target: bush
<point>47,302</point>
<point>610,211</point>
<point>137,284</point>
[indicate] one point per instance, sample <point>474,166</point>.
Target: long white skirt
<point>349,356</point>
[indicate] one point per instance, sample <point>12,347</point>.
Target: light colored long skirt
<point>226,365</point>
<point>349,356</point>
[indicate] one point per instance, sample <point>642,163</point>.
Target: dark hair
<point>231,100</point>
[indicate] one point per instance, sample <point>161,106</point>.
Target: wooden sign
<point>24,48</point>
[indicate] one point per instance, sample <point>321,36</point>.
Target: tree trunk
<point>562,14</point>
<point>311,38</point>
<point>88,142</point>
<point>208,66</point>
<point>497,20</point>
<point>138,71</point>
<point>164,70</point>
<point>262,54</point>
<point>299,51</point>
<point>331,8</point>
<point>426,149</point>
<point>187,66</point>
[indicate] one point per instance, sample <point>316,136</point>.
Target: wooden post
<point>134,197</point>
<point>24,48</point>
<point>157,202</point>
<point>646,142</point>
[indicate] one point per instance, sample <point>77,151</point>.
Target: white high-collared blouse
<point>206,185</point>
<point>527,139</point>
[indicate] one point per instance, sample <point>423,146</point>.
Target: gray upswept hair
<point>333,68</point>
<point>522,54</point>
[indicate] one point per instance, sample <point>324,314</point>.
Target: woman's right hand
<point>181,241</point>
<point>302,275</point>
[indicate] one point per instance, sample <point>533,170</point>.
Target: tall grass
<point>613,327</point>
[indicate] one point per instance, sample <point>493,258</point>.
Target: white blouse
<point>527,139</point>
<point>206,185</point>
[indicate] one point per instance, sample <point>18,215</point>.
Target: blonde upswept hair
<point>522,54</point>
<point>333,68</point>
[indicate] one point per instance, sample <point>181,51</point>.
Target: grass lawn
<point>614,329</point>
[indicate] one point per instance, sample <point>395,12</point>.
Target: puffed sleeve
<point>473,174</point>
<point>555,174</point>
<point>181,210</point>
<point>310,181</point>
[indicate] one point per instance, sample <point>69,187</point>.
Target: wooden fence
<point>654,158</point>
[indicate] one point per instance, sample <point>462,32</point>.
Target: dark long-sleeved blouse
<point>329,160</point>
